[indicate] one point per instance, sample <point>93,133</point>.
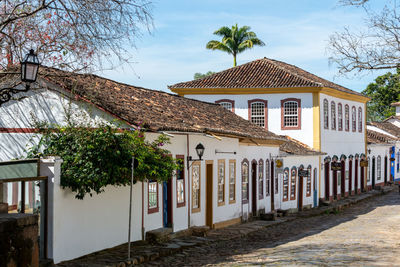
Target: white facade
<point>274,114</point>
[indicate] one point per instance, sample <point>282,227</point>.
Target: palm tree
<point>234,40</point>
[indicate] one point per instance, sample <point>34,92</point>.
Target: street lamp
<point>200,152</point>
<point>29,68</point>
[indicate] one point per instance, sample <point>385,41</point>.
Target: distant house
<point>233,182</point>
<point>288,100</point>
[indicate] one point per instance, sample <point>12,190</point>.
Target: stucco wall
<point>305,134</point>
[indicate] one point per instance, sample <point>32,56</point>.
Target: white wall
<point>305,134</point>
<point>381,150</point>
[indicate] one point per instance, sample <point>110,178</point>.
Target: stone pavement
<point>222,243</point>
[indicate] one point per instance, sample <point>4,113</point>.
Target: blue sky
<point>295,31</point>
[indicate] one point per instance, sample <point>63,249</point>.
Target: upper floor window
<point>360,119</point>
<point>227,103</point>
<point>333,115</point>
<point>340,117</point>
<point>326,114</point>
<point>291,114</point>
<point>346,118</point>
<point>353,119</point>
<point>258,112</point>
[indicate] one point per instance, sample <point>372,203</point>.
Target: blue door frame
<point>165,204</point>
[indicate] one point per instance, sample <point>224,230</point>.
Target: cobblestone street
<point>366,234</point>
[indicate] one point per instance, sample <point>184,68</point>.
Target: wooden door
<point>350,177</point>
<point>209,194</point>
<point>335,184</point>
<point>386,170</point>
<point>327,181</point>
<point>167,203</point>
<point>343,179</point>
<point>373,173</point>
<point>300,198</point>
<point>356,175</point>
<point>272,188</point>
<point>254,188</point>
<point>362,178</point>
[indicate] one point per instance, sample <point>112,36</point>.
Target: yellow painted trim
<point>366,143</point>
<point>272,90</point>
<point>223,224</point>
<point>316,122</point>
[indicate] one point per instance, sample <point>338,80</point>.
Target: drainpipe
<point>188,178</point>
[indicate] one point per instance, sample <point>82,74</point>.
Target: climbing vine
<point>94,158</point>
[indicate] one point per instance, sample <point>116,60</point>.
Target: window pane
<point>196,185</point>
<point>153,195</point>
<point>226,105</point>
<point>333,115</point>
<point>245,180</point>
<point>221,182</point>
<point>290,114</point>
<point>232,180</point>
<point>257,114</point>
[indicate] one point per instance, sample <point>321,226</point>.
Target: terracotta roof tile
<point>156,110</point>
<point>262,73</point>
<point>374,137</point>
<point>388,127</point>
<point>295,147</point>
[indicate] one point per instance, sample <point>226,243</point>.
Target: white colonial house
<point>287,100</point>
<point>233,181</point>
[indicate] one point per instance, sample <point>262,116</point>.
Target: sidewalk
<point>144,252</point>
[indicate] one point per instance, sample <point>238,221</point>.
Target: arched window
<point>353,119</point>
<point>346,118</point>
<point>291,114</point>
<point>360,123</point>
<point>286,184</point>
<point>258,112</point>
<point>245,181</point>
<point>260,179</point>
<point>308,184</point>
<point>267,178</point>
<point>333,115</point>
<point>340,117</point>
<point>293,177</point>
<point>227,103</point>
<point>378,167</point>
<point>326,114</point>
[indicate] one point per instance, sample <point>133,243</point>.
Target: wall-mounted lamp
<point>369,151</point>
<point>200,152</point>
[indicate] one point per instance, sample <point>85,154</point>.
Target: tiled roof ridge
<point>274,61</point>
<point>301,144</point>
<point>386,126</point>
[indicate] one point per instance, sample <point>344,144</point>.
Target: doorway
<point>342,180</point>
<point>300,190</point>
<point>373,172</point>
<point>335,184</point>
<point>362,178</point>
<point>327,181</point>
<point>254,188</point>
<point>167,203</point>
<point>386,170</point>
<point>350,177</point>
<point>209,193</point>
<point>272,188</point>
<point>356,176</point>
<point>315,187</point>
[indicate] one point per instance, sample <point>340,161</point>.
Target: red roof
<point>262,73</point>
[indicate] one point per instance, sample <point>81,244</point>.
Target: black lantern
<point>29,67</point>
<point>200,150</point>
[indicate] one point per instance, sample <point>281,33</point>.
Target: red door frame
<point>327,194</point>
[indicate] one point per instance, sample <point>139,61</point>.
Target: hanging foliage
<point>94,158</point>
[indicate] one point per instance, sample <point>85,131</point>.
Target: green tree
<point>384,91</point>
<point>234,40</point>
<point>199,75</point>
